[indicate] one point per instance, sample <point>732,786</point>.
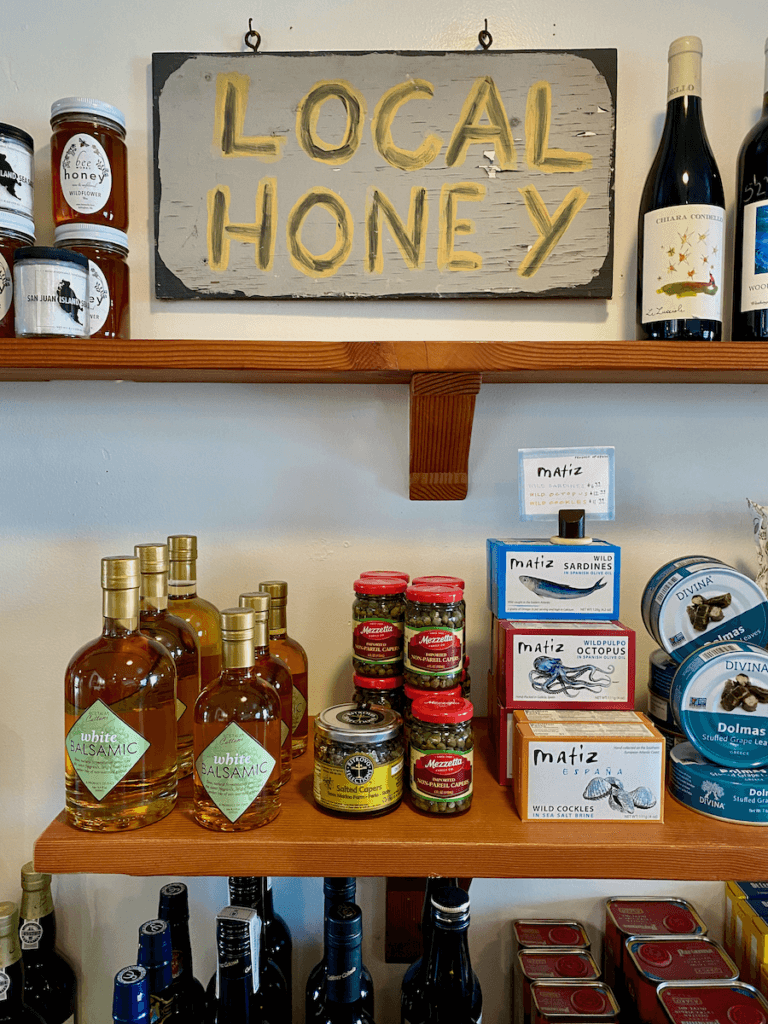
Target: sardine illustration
<point>561,591</point>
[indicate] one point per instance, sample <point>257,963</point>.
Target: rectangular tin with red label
<point>652,961</point>
<point>548,965</point>
<point>630,916</point>
<point>546,933</point>
<point>712,1002</point>
<point>573,1002</point>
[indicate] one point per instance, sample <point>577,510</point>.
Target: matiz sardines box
<point>536,579</point>
<point>565,665</point>
<point>589,771</point>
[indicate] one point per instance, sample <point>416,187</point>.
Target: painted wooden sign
<point>372,175</point>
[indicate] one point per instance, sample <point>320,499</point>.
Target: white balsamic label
<point>85,174</point>
<point>6,287</point>
<point>683,263</point>
<point>754,257</point>
<point>99,298</point>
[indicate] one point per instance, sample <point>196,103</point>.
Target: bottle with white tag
<point>50,986</point>
<point>235,999</point>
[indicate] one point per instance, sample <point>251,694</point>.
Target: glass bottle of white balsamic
<point>50,986</point>
<point>184,601</point>
<point>120,716</point>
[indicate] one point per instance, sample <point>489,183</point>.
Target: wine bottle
<point>415,976</point>
<point>155,954</point>
<point>335,891</point>
<point>277,935</point>
<point>13,1009</point>
<point>682,217</point>
<point>295,657</point>
<point>130,999</point>
<point>750,257</point>
<point>450,987</point>
<point>234,999</point>
<point>343,935</point>
<point>50,987</point>
<point>174,908</point>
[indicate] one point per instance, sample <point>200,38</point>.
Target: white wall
<point>309,483</point>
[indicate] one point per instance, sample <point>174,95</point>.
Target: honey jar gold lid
<point>152,557</point>
<point>259,601</point>
<point>182,547</point>
<point>33,881</point>
<point>9,919</point>
<point>237,623</point>
<point>277,590</point>
<point>120,572</point>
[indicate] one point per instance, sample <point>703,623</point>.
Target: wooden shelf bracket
<point>442,410</point>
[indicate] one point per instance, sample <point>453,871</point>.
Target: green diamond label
<point>181,707</point>
<point>283,732</point>
<point>298,707</point>
<point>103,749</point>
<point>233,769</point>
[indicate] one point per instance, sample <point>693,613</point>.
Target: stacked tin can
<point>17,228</point>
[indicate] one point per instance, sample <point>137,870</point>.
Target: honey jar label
<point>103,748</point>
<point>233,769</point>
<point>85,174</point>
<point>441,775</point>
<point>99,298</point>
<point>358,784</point>
<point>6,287</point>
<point>434,651</point>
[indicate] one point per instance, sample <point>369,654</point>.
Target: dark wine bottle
<point>682,218</point>
<point>415,976</point>
<point>343,935</point>
<point>173,907</point>
<point>277,935</point>
<point>335,890</point>
<point>130,999</point>
<point>156,955</point>
<point>50,986</point>
<point>450,986</point>
<point>750,256</point>
<point>236,982</point>
<point>13,1009</point>
<point>274,991</point>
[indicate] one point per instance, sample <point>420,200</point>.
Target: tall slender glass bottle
<point>335,891</point>
<point>294,656</point>
<point>130,996</point>
<point>343,937</point>
<point>450,985</point>
<point>237,738</point>
<point>273,671</point>
<point>682,217</point>
<point>276,946</point>
<point>235,997</point>
<point>13,1008</point>
<point>278,935</point>
<point>173,907</point>
<point>156,954</point>
<point>416,975</point>
<point>177,637</point>
<point>184,601</point>
<point>50,986</point>
<point>750,257</point>
<point>120,716</point>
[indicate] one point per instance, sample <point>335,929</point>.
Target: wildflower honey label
<point>683,263</point>
<point>233,769</point>
<point>103,748</point>
<point>85,174</point>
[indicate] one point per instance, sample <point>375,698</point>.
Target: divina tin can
<point>15,233</point>
<point>732,794</point>
<point>17,172</point>
<point>51,290</point>
<point>662,670</point>
<point>548,965</point>
<point>563,1002</point>
<point>731,1002</point>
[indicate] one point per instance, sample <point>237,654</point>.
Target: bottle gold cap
<point>120,572</point>
<point>260,601</point>
<point>277,590</point>
<point>152,557</point>
<point>182,547</point>
<point>685,44</point>
<point>9,919</point>
<point>33,881</point>
<point>237,623</point>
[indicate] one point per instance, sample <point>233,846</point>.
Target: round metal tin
<point>662,670</point>
<point>730,794</point>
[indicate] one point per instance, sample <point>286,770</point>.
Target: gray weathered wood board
<point>290,174</point>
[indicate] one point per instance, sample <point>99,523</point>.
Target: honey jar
<point>17,171</point>
<point>15,232</point>
<point>105,249</point>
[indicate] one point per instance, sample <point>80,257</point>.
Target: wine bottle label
<point>754,258</point>
<point>6,287</point>
<point>30,934</point>
<point>683,263</point>
<point>103,748</point>
<point>5,984</point>
<point>299,707</point>
<point>441,775</point>
<point>85,174</point>
<point>233,770</point>
<point>160,1008</point>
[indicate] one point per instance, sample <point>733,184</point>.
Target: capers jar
<point>377,635</point>
<point>358,760</point>
<point>441,754</point>
<point>412,693</point>
<point>434,636</point>
<point>387,693</point>
<point>387,574</point>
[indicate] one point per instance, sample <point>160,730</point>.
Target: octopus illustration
<point>550,675</point>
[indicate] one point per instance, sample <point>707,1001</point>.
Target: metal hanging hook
<point>485,38</point>
<point>253,34</point>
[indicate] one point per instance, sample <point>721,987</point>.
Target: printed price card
<point>553,478</point>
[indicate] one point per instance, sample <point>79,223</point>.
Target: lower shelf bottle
<point>255,892</point>
<point>130,999</point>
<point>343,940</point>
<point>155,954</point>
<point>416,975</point>
<point>173,907</point>
<point>50,986</point>
<point>235,997</point>
<point>13,1009</point>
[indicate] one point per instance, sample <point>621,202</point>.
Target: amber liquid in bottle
<point>120,692</point>
<point>237,738</point>
<point>177,637</point>
<point>183,600</point>
<point>114,213</point>
<point>295,657</point>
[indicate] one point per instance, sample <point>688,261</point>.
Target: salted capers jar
<point>386,693</point>
<point>377,635</point>
<point>412,693</point>
<point>441,754</point>
<point>358,760</point>
<point>434,636</point>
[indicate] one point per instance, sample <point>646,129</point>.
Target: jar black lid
<point>46,252</point>
<point>571,523</point>
<point>17,133</point>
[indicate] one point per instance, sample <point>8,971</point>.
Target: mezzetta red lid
<point>414,692</point>
<point>442,711</point>
<point>377,682</point>
<point>433,593</point>
<point>379,585</point>
<point>386,573</point>
<point>448,581</point>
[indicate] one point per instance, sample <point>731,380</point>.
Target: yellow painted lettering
<point>483,98</point>
<point>229,118</point>
<point>447,257</point>
<point>550,229</point>
<point>381,127</point>
<point>308,113</point>
<point>260,234</point>
<point>411,240</point>
<point>538,117</point>
<point>326,264</point>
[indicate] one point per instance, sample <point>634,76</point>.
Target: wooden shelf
<point>489,841</point>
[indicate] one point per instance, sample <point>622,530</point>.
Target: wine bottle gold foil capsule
<point>277,590</point>
<point>34,881</point>
<point>259,601</point>
<point>120,572</point>
<point>182,547</point>
<point>9,919</point>
<point>237,624</point>
<point>152,557</point>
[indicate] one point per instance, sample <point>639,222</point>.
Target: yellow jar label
<point>358,784</point>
